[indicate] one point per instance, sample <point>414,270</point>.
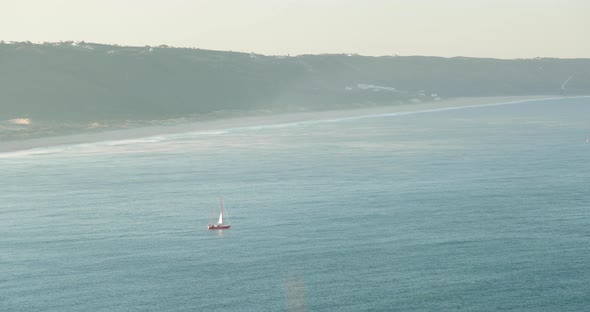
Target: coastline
<point>248,121</point>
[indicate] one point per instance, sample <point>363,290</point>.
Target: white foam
<point>127,145</point>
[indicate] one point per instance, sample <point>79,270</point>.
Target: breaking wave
<point>129,145</point>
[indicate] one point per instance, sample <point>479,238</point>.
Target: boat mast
<point>220,221</point>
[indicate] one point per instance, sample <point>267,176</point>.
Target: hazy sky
<point>484,28</point>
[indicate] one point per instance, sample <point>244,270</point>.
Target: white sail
<point>221,223</point>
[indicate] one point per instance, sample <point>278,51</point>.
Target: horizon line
<point>167,46</point>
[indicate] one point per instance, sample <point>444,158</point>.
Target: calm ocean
<point>473,209</point>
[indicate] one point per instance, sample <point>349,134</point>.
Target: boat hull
<point>218,227</point>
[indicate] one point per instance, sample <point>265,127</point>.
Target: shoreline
<point>249,121</point>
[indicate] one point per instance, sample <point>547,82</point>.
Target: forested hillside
<point>86,82</point>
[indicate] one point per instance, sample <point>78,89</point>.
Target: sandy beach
<point>218,124</point>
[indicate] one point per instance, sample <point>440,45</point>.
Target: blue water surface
<point>473,209</point>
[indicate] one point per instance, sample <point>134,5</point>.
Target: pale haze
<point>477,28</point>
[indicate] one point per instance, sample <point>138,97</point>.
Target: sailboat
<point>223,221</point>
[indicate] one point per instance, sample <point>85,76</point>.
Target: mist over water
<point>475,209</point>
<point>187,137</point>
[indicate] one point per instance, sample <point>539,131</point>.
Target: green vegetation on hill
<point>85,82</point>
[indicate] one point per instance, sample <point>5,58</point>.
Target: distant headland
<point>71,87</point>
